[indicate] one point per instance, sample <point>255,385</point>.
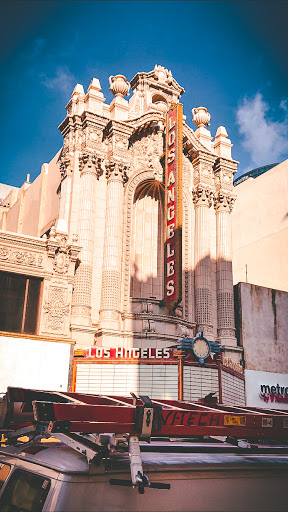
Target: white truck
<point>69,463</point>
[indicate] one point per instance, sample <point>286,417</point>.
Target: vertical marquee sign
<point>173,207</point>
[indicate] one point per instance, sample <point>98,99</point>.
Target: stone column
<point>223,203</point>
<point>111,274</point>
<point>202,197</point>
<point>91,169</point>
<point>66,183</point>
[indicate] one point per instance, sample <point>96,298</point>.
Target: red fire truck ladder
<point>95,424</point>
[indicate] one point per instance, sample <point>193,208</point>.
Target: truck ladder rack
<point>94,425</point>
<point>97,414</point>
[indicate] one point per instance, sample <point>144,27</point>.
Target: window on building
<point>19,303</point>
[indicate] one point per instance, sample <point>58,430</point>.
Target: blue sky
<point>229,56</point>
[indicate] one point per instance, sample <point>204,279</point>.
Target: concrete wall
<point>12,216</point>
<point>50,197</point>
<point>37,204</point>
<point>31,208</point>
<point>262,327</point>
<point>260,229</point>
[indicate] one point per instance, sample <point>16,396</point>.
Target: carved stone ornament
<point>202,196</point>
<point>65,166</point>
<point>201,117</point>
<point>91,163</point>
<point>162,74</point>
<point>59,247</point>
<point>182,331</point>
<point>147,152</point>
<point>21,257</point>
<point>223,201</point>
<point>56,308</point>
<point>119,85</point>
<point>117,170</point>
<point>227,361</point>
<point>61,262</point>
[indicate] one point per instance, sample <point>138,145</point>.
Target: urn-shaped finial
<point>201,117</point>
<point>119,85</point>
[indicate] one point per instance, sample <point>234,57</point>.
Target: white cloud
<point>62,81</point>
<point>264,139</point>
<point>284,104</point>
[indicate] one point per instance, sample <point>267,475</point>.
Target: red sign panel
<point>129,353</point>
<point>173,207</point>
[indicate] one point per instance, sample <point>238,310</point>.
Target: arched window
<point>147,246</point>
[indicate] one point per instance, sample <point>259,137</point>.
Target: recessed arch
<point>147,245</point>
<point>158,97</point>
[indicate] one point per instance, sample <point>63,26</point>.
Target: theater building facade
<point>121,247</point>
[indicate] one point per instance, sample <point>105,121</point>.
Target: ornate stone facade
<point>106,188</point>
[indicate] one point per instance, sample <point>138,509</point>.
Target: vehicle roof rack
<point>95,424</point>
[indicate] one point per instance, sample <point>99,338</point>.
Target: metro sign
<point>173,207</point>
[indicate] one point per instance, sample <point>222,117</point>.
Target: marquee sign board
<point>173,207</point>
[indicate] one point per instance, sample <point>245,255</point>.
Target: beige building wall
<point>262,327</point>
<point>12,216</point>
<point>31,207</point>
<point>260,229</point>
<point>35,208</point>
<point>50,195</point>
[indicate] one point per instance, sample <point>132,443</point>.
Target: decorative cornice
<point>191,144</point>
<point>146,120</point>
<point>118,127</point>
<point>36,337</point>
<point>32,242</point>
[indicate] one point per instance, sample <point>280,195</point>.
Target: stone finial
<point>222,145</point>
<point>94,98</point>
<point>78,89</point>
<point>201,117</point>
<point>221,132</point>
<point>119,85</point>
<point>95,85</point>
<point>76,102</point>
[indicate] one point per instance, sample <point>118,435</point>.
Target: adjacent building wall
<point>260,229</point>
<point>36,208</point>
<point>262,327</point>
<point>50,195</point>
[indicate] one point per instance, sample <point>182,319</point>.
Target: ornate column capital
<point>65,164</point>
<point>224,201</point>
<point>117,171</point>
<point>202,196</point>
<point>90,163</point>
